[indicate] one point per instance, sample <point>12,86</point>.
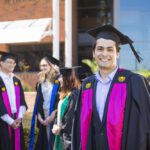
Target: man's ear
<point>118,55</point>
<point>93,54</point>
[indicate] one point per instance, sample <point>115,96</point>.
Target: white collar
<point>108,78</point>
<point>5,76</point>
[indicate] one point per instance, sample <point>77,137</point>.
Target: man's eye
<point>100,49</point>
<point>110,49</point>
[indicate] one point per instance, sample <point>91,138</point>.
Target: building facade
<point>134,21</point>
<point>31,52</point>
<point>130,19</point>
<point>129,16</point>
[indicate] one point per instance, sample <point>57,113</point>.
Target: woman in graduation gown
<point>68,95</point>
<point>45,104</point>
<point>113,109</point>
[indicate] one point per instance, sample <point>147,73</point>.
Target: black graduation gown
<point>67,121</point>
<point>136,124</point>
<point>42,141</point>
<point>5,142</point>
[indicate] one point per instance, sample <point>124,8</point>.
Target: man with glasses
<point>12,105</point>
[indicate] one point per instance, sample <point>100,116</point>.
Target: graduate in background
<point>12,105</point>
<point>113,109</point>
<point>68,94</point>
<point>45,104</point>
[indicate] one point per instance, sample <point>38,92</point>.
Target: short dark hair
<point>7,55</point>
<point>94,46</point>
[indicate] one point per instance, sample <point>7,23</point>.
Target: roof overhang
<point>25,31</point>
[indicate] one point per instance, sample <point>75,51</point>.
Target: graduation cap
<point>66,71</point>
<point>6,55</point>
<point>52,60</point>
<point>110,32</point>
<point>84,71</point>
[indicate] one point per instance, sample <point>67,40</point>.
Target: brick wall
<point>30,9</point>
<point>28,79</point>
<point>30,101</point>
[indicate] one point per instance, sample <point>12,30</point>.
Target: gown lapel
<point>95,112</point>
<point>103,121</point>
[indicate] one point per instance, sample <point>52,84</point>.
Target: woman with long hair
<point>68,93</point>
<point>46,104</point>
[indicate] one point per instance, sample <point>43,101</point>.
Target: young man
<point>12,105</point>
<point>113,110</point>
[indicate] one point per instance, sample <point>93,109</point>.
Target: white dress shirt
<point>102,91</point>
<point>9,83</point>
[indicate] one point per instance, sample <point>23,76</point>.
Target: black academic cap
<point>84,71</point>
<point>6,55</point>
<point>52,60</point>
<point>66,71</point>
<point>110,32</point>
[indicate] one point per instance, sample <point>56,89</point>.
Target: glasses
<point>10,62</point>
<point>44,65</point>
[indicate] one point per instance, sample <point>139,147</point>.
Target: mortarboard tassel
<point>139,59</point>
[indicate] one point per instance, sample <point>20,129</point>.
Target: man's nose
<point>104,52</point>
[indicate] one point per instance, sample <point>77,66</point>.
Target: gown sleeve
<point>139,122</point>
<point>23,102</point>
<point>3,110</point>
<point>76,125</point>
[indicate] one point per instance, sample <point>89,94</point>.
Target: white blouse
<point>47,92</point>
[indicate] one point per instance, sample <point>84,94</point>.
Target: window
<point>134,21</point>
<point>30,55</point>
<point>14,1</point>
<point>92,13</point>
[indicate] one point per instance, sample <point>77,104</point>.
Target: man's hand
<point>14,125</point>
<point>18,122</point>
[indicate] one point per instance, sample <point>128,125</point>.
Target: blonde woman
<point>46,103</point>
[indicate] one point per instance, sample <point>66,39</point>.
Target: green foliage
<point>23,66</point>
<point>26,129</point>
<point>92,64</point>
<point>94,68</point>
<point>145,73</point>
<point>27,135</point>
<point>26,87</point>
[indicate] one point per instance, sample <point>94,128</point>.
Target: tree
<point>92,64</point>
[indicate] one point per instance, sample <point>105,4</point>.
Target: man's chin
<point>11,70</point>
<point>103,66</point>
